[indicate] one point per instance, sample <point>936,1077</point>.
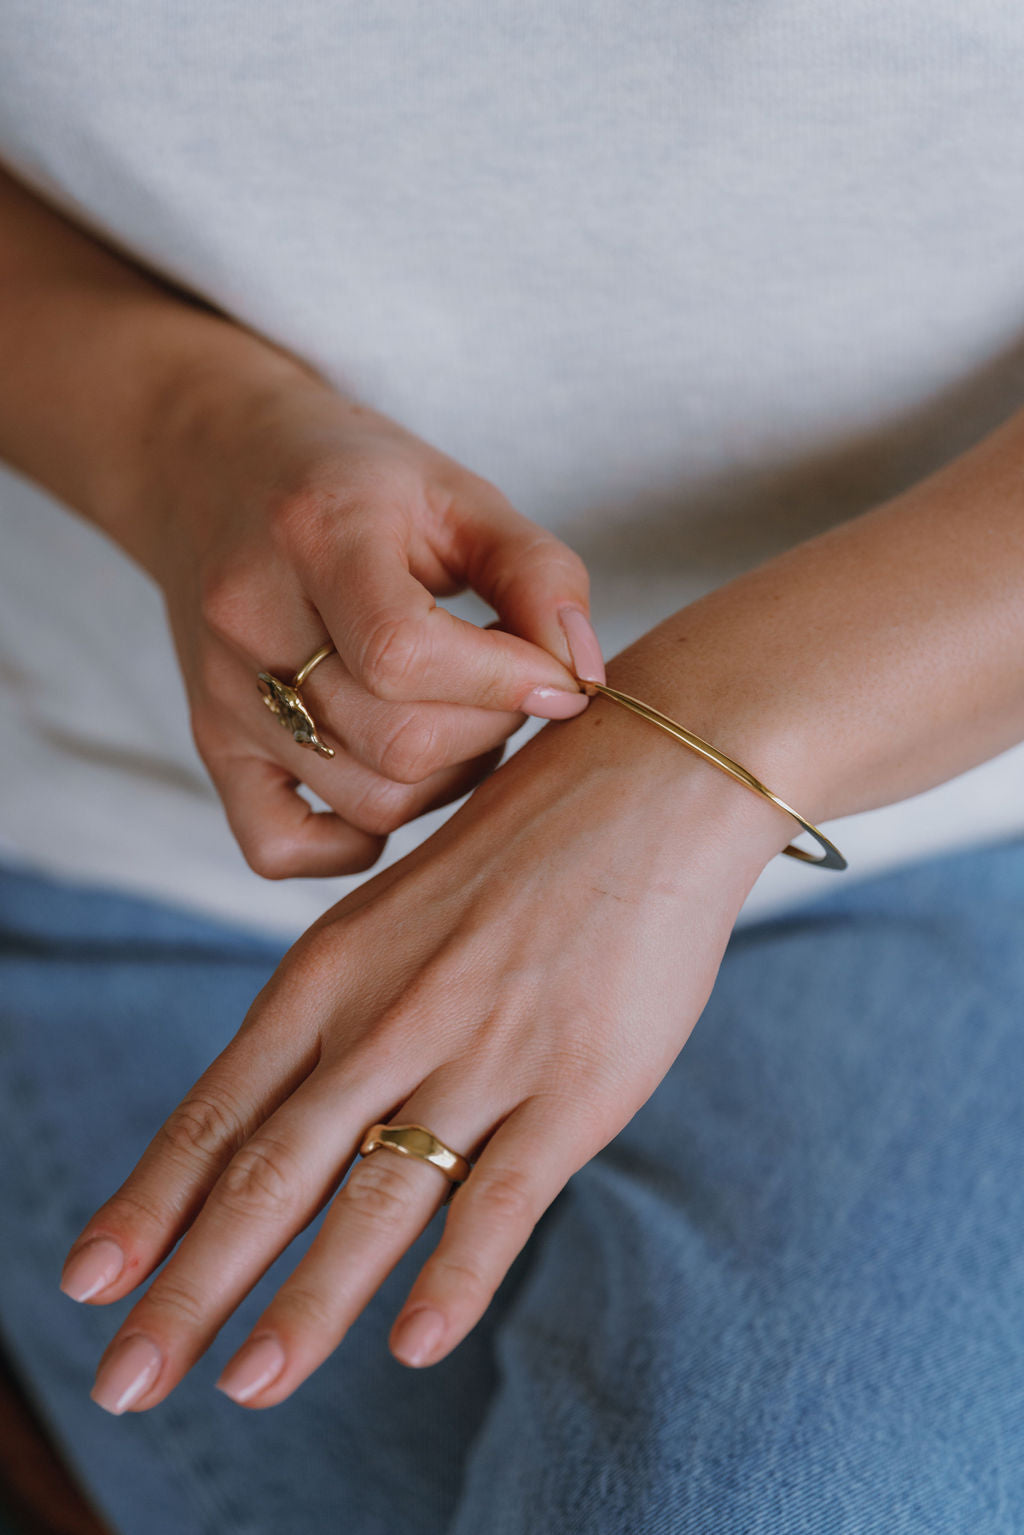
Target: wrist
<point>208,423</point>
<point>721,671</point>
<point>662,806</point>
<point>700,806</point>
<point>726,718</point>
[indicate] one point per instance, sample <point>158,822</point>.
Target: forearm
<point>98,360</point>
<point>865,665</point>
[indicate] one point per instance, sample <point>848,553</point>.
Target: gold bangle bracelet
<point>833,858</point>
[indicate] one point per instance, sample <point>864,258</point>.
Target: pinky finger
<point>525,1164</point>
<point>279,832</point>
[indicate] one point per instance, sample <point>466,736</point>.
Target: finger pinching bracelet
<point>832,859</point>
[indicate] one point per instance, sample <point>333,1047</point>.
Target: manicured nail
<point>418,1335</point>
<point>128,1374</point>
<point>584,645</point>
<point>93,1267</point>
<point>256,1364</point>
<point>553,703</point>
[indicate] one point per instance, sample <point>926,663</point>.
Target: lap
<point>785,1298</point>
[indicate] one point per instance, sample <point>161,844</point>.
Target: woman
<point>713,307</point>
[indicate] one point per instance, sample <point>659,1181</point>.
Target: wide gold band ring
<point>285,700</point>
<point>417,1141</point>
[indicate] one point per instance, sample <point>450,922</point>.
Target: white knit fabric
<point>689,282</point>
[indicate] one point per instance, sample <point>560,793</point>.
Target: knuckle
<point>226,603</point>
<point>203,1125</point>
<point>391,661</point>
<point>543,549</point>
<point>130,1212</point>
<point>216,677</point>
<point>300,519</point>
<point>379,1189</point>
<point>305,1307</point>
<point>579,575</point>
<point>506,1193</point>
<point>202,722</point>
<point>259,1180</point>
<point>365,855</point>
<point>177,1302</point>
<point>553,552</point>
<point>272,857</point>
<point>382,808</point>
<point>309,969</point>
<point>479,486</point>
<point>478,489</point>
<point>412,751</point>
<point>467,1277</point>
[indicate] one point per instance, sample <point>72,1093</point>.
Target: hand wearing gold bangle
<point>832,857</point>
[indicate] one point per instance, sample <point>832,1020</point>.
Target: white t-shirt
<point>690,282</point>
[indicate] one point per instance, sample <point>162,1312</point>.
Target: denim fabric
<point>788,1299</point>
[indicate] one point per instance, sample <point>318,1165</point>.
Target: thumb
<point>538,586</point>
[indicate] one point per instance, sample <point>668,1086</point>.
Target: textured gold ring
<point>417,1141</point>
<point>285,700</point>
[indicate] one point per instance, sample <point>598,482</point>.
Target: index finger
<point>402,647</point>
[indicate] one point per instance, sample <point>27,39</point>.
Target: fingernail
<point>93,1267</point>
<point>418,1335</point>
<point>584,645</point>
<point>256,1364</point>
<point>554,703</point>
<point>128,1374</point>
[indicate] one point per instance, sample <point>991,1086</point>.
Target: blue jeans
<point>788,1298</point>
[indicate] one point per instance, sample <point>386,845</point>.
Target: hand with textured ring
<point>311,531</point>
<point>494,1008</point>
<point>284,700</point>
<point>417,1141</point>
